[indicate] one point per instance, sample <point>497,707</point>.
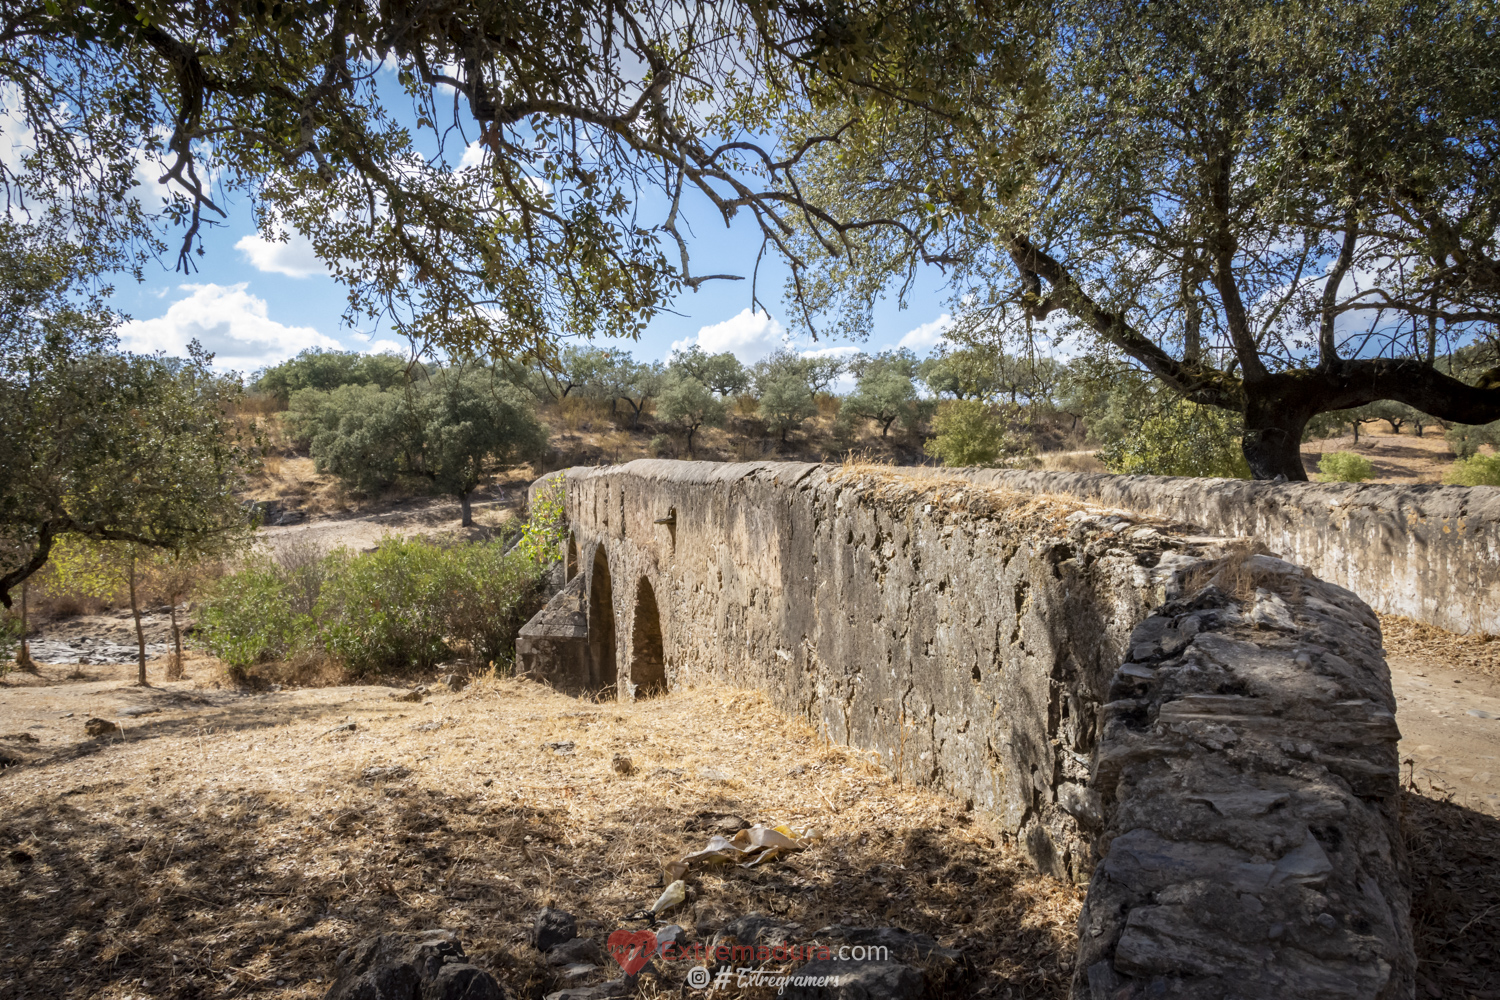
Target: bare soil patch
<point>230,844</point>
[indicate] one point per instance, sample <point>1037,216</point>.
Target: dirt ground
<point>227,844</point>
<point>1401,459</point>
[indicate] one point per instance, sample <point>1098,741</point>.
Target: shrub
<point>969,433</point>
<point>383,610</point>
<point>396,608</point>
<point>249,618</point>
<point>1344,467</point>
<point>1180,439</point>
<point>1476,470</point>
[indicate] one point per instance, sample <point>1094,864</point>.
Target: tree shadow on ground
<point>1454,855</point>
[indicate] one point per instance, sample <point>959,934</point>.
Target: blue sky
<point>254,303</point>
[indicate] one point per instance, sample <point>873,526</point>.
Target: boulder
<point>552,928</point>
<point>425,965</point>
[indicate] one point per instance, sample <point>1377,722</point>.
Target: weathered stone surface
<point>1250,785</point>
<point>1425,551</point>
<point>552,928</point>
<point>554,645</point>
<point>1230,757</point>
<point>428,965</point>
<point>967,635</point>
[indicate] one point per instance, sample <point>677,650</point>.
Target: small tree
<point>721,373</point>
<point>637,384</point>
<point>102,569</point>
<point>689,404</point>
<point>316,368</point>
<point>786,394</point>
<point>969,433</point>
<point>443,430</point>
<point>885,392</point>
<point>1465,440</point>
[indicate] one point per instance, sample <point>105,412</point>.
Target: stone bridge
<point>1143,700</point>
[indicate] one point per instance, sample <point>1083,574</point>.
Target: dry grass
<point>946,489</point>
<point>1455,908</point>
<point>1406,637</point>
<point>232,847</point>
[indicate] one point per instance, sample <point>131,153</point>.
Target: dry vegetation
<point>231,844</point>
<point>1479,653</point>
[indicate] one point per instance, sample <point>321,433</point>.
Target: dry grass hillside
<point>230,844</point>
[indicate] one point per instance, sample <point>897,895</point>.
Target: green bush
<point>249,618</point>
<point>384,610</point>
<point>1476,470</point>
<point>969,433</point>
<point>1344,467</point>
<point>1179,439</point>
<point>404,605</point>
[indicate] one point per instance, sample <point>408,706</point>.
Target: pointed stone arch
<point>601,622</point>
<point>648,663</point>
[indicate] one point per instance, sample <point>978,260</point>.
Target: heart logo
<point>632,949</point>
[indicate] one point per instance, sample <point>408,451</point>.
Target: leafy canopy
<point>1273,208</point>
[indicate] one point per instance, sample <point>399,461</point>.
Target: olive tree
<point>444,430</point>
<point>1274,209</point>
<point>100,443</point>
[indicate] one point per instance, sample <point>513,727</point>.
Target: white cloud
<point>830,352</point>
<point>386,347</point>
<point>748,336</point>
<point>294,257</point>
<point>227,320</point>
<point>928,335</point>
<point>473,155</point>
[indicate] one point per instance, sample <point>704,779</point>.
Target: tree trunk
<point>886,426</point>
<point>1274,423</point>
<point>463,501</point>
<point>691,432</point>
<point>24,660</point>
<point>176,671</point>
<point>140,634</point>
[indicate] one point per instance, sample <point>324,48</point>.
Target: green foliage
<point>316,368</point>
<point>1476,470</point>
<point>1179,439</point>
<point>969,432</point>
<point>1344,467</point>
<point>884,392</point>
<point>547,525</point>
<point>1095,197</point>
<point>278,104</point>
<point>383,610</point>
<point>98,442</point>
<point>784,384</point>
<point>403,606</point>
<point>722,373</point>
<point>250,619</point>
<point>689,404</point>
<point>442,429</point>
<point>1465,440</point>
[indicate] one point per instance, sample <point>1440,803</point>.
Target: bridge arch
<point>601,621</point>
<point>648,662</point>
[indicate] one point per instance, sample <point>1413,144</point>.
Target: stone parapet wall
<point>1222,768</point>
<point>1247,775</point>
<point>1427,552</point>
